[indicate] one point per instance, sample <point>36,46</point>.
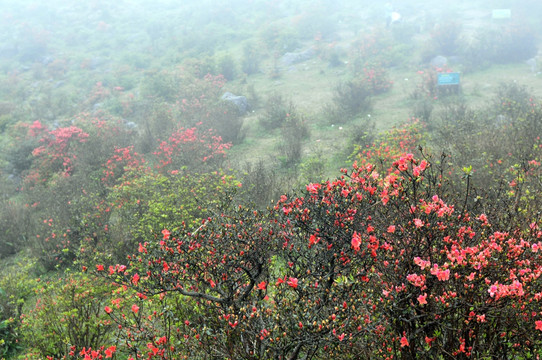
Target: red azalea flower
<point>292,282</point>
<point>109,351</point>
<point>356,242</point>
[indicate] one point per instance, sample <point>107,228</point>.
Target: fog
<point>257,179</point>
<point>170,31</point>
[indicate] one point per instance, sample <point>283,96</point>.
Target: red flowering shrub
<point>377,79</point>
<point>98,94</point>
<point>388,147</point>
<point>106,133</point>
<point>427,87</point>
<point>57,153</point>
<point>372,264</point>
<point>216,266</point>
<point>123,161</point>
<point>374,48</point>
<point>75,174</point>
<point>62,186</point>
<point>193,148</point>
<point>180,99</point>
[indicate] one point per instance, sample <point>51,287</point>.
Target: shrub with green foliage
<point>69,316</point>
<point>275,112</point>
<point>226,67</point>
<point>350,99</point>
<point>509,128</point>
<point>509,43</point>
<point>445,38</point>
<point>312,169</point>
<point>200,67</point>
<point>371,49</point>
<point>315,22</point>
<point>361,137</point>
<point>250,63</point>
<point>279,37</point>
<point>494,151</point>
<point>18,227</point>
<point>142,204</point>
<point>422,108</point>
<point>17,283</point>
<point>514,43</point>
<point>294,131</point>
<point>192,102</point>
<point>262,185</point>
<point>457,118</point>
<point>512,100</point>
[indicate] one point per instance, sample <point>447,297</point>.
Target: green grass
<point>310,87</point>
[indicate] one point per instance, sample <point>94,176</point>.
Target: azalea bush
<point>376,78</point>
<point>129,185</point>
<point>445,38</point>
<point>389,146</point>
<point>68,318</point>
<point>516,42</point>
<point>370,49</point>
<point>62,185</point>
<point>57,152</point>
<point>373,264</point>
<point>194,148</point>
<point>219,286</point>
<point>139,206</point>
<point>369,57</point>
<point>179,98</point>
<point>69,150</point>
<point>427,86</point>
<point>428,270</point>
<point>509,43</point>
<point>75,173</point>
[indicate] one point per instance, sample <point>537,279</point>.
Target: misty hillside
<point>267,179</point>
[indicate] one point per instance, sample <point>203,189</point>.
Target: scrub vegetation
<point>270,180</point>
